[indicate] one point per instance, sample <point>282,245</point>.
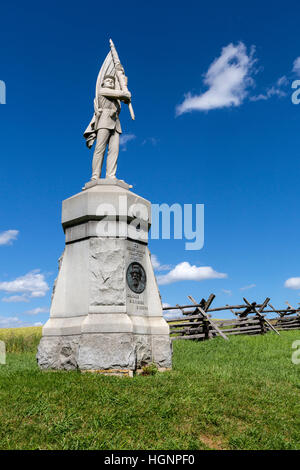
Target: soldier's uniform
<point>106,126</point>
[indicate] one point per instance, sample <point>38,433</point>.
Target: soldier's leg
<point>102,138</point>
<point>112,155</point>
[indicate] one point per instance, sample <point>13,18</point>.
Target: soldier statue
<point>105,125</point>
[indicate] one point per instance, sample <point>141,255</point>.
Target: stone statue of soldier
<point>105,127</point>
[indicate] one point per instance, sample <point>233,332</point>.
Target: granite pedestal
<point>106,312</point>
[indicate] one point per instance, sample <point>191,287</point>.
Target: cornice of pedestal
<point>107,182</point>
<point>109,199</point>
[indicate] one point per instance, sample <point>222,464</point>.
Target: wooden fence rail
<point>196,322</point>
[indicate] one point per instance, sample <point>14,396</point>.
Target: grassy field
<point>240,394</point>
<point>21,339</point>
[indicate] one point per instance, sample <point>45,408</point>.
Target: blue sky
<point>215,125</point>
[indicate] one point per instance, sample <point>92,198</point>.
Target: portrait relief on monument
<point>136,277</point>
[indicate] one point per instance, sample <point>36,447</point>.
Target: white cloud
<point>37,310</point>
<point>16,298</point>
<point>7,237</point>
<point>15,322</point>
<point>296,66</point>
<point>292,283</point>
<point>250,286</point>
<point>226,291</point>
<point>274,90</point>
<point>282,81</point>
<point>124,139</point>
<point>157,266</point>
<point>165,304</point>
<point>32,284</point>
<point>185,272</point>
<point>227,78</point>
<point>10,322</point>
<point>173,314</point>
<point>151,140</point>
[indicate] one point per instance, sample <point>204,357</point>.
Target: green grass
<point>237,394</point>
<point>24,339</point>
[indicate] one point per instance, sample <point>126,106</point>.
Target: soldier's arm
<point>117,94</point>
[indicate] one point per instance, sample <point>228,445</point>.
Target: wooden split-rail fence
<point>196,322</point>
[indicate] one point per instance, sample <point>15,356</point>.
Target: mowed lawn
<point>237,394</point>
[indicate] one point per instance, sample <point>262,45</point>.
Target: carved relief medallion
<point>136,277</point>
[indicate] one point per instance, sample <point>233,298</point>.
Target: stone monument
<point>106,312</point>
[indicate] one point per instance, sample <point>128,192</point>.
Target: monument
<point>106,312</point>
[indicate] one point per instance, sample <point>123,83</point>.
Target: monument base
<point>103,351</point>
<point>106,311</point>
